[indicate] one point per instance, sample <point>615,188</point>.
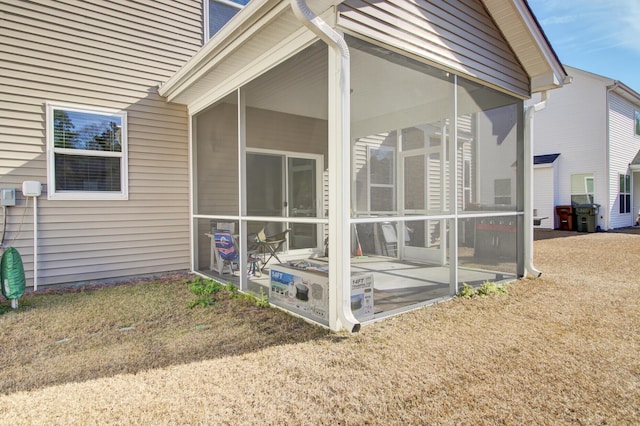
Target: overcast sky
<point>599,36</point>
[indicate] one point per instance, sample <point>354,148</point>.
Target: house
<point>587,145</point>
<point>388,137</point>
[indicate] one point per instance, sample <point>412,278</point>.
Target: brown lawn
<point>561,349</point>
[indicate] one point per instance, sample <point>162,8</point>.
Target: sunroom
<point>389,162</point>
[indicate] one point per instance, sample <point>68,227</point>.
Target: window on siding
<point>382,181</point>
<point>502,191</point>
<point>467,181</point>
<point>582,188</point>
<point>625,193</point>
<point>636,116</point>
<point>218,13</point>
<point>87,153</point>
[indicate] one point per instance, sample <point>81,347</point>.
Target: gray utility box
<point>8,197</point>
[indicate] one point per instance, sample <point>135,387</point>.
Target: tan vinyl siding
<point>108,54</point>
<point>459,36</point>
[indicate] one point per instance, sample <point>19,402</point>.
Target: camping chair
<point>270,245</point>
<point>226,253</point>
<point>226,226</point>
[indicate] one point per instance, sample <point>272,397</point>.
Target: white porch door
<point>423,190</point>
<point>286,186</point>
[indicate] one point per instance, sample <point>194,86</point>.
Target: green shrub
<point>202,287</point>
<point>466,291</point>
<point>488,288</point>
<point>209,291</point>
<point>261,300</point>
<point>5,307</point>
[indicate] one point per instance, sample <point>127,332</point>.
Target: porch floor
<point>398,285</point>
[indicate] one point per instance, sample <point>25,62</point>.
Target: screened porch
<point>435,183</point>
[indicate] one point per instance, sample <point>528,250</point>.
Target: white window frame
<point>52,194</point>
<point>205,8</point>
<point>392,185</point>
<point>502,197</point>
<point>624,183</point>
<point>588,179</point>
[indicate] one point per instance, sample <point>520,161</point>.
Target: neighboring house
<point>365,122</point>
<point>587,142</point>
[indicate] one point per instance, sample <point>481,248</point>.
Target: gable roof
<point>529,42</point>
<point>263,21</point>
<point>612,85</point>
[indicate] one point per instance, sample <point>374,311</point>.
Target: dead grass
<point>71,336</point>
<point>562,349</point>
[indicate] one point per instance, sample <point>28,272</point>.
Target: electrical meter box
<point>8,196</point>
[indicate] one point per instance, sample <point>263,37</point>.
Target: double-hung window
<point>502,192</point>
<point>218,13</point>
<point>382,180</point>
<point>86,153</point>
<point>582,188</point>
<point>625,194</point>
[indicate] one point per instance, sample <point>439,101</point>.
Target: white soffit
<point>259,37</point>
<point>526,38</point>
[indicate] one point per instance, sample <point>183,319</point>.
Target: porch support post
<point>453,191</point>
<point>242,193</point>
<point>340,315</point>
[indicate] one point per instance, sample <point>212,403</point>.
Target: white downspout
<point>528,184</point>
<point>339,161</point>
<point>35,244</point>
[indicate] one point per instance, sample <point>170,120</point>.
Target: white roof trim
<point>549,72</point>
<point>242,27</point>
<point>626,92</point>
<point>554,74</point>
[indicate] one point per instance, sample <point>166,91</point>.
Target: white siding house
<point>345,123</point>
<point>591,123</point>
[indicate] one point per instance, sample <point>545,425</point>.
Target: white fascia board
<point>245,24</point>
<point>272,57</point>
<point>289,46</point>
<point>536,52</point>
<point>626,92</point>
<point>559,73</point>
<point>548,81</point>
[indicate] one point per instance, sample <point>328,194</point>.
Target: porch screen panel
<point>287,150</point>
<point>215,159</point>
<point>400,108</point>
<point>487,249</point>
<point>402,113</point>
<point>421,276</point>
<point>488,154</point>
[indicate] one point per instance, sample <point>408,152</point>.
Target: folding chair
<point>270,245</point>
<point>226,253</point>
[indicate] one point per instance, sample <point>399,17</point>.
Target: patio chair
<point>226,226</point>
<point>270,245</point>
<point>226,255</point>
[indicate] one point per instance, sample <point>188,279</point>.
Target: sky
<point>599,36</point>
